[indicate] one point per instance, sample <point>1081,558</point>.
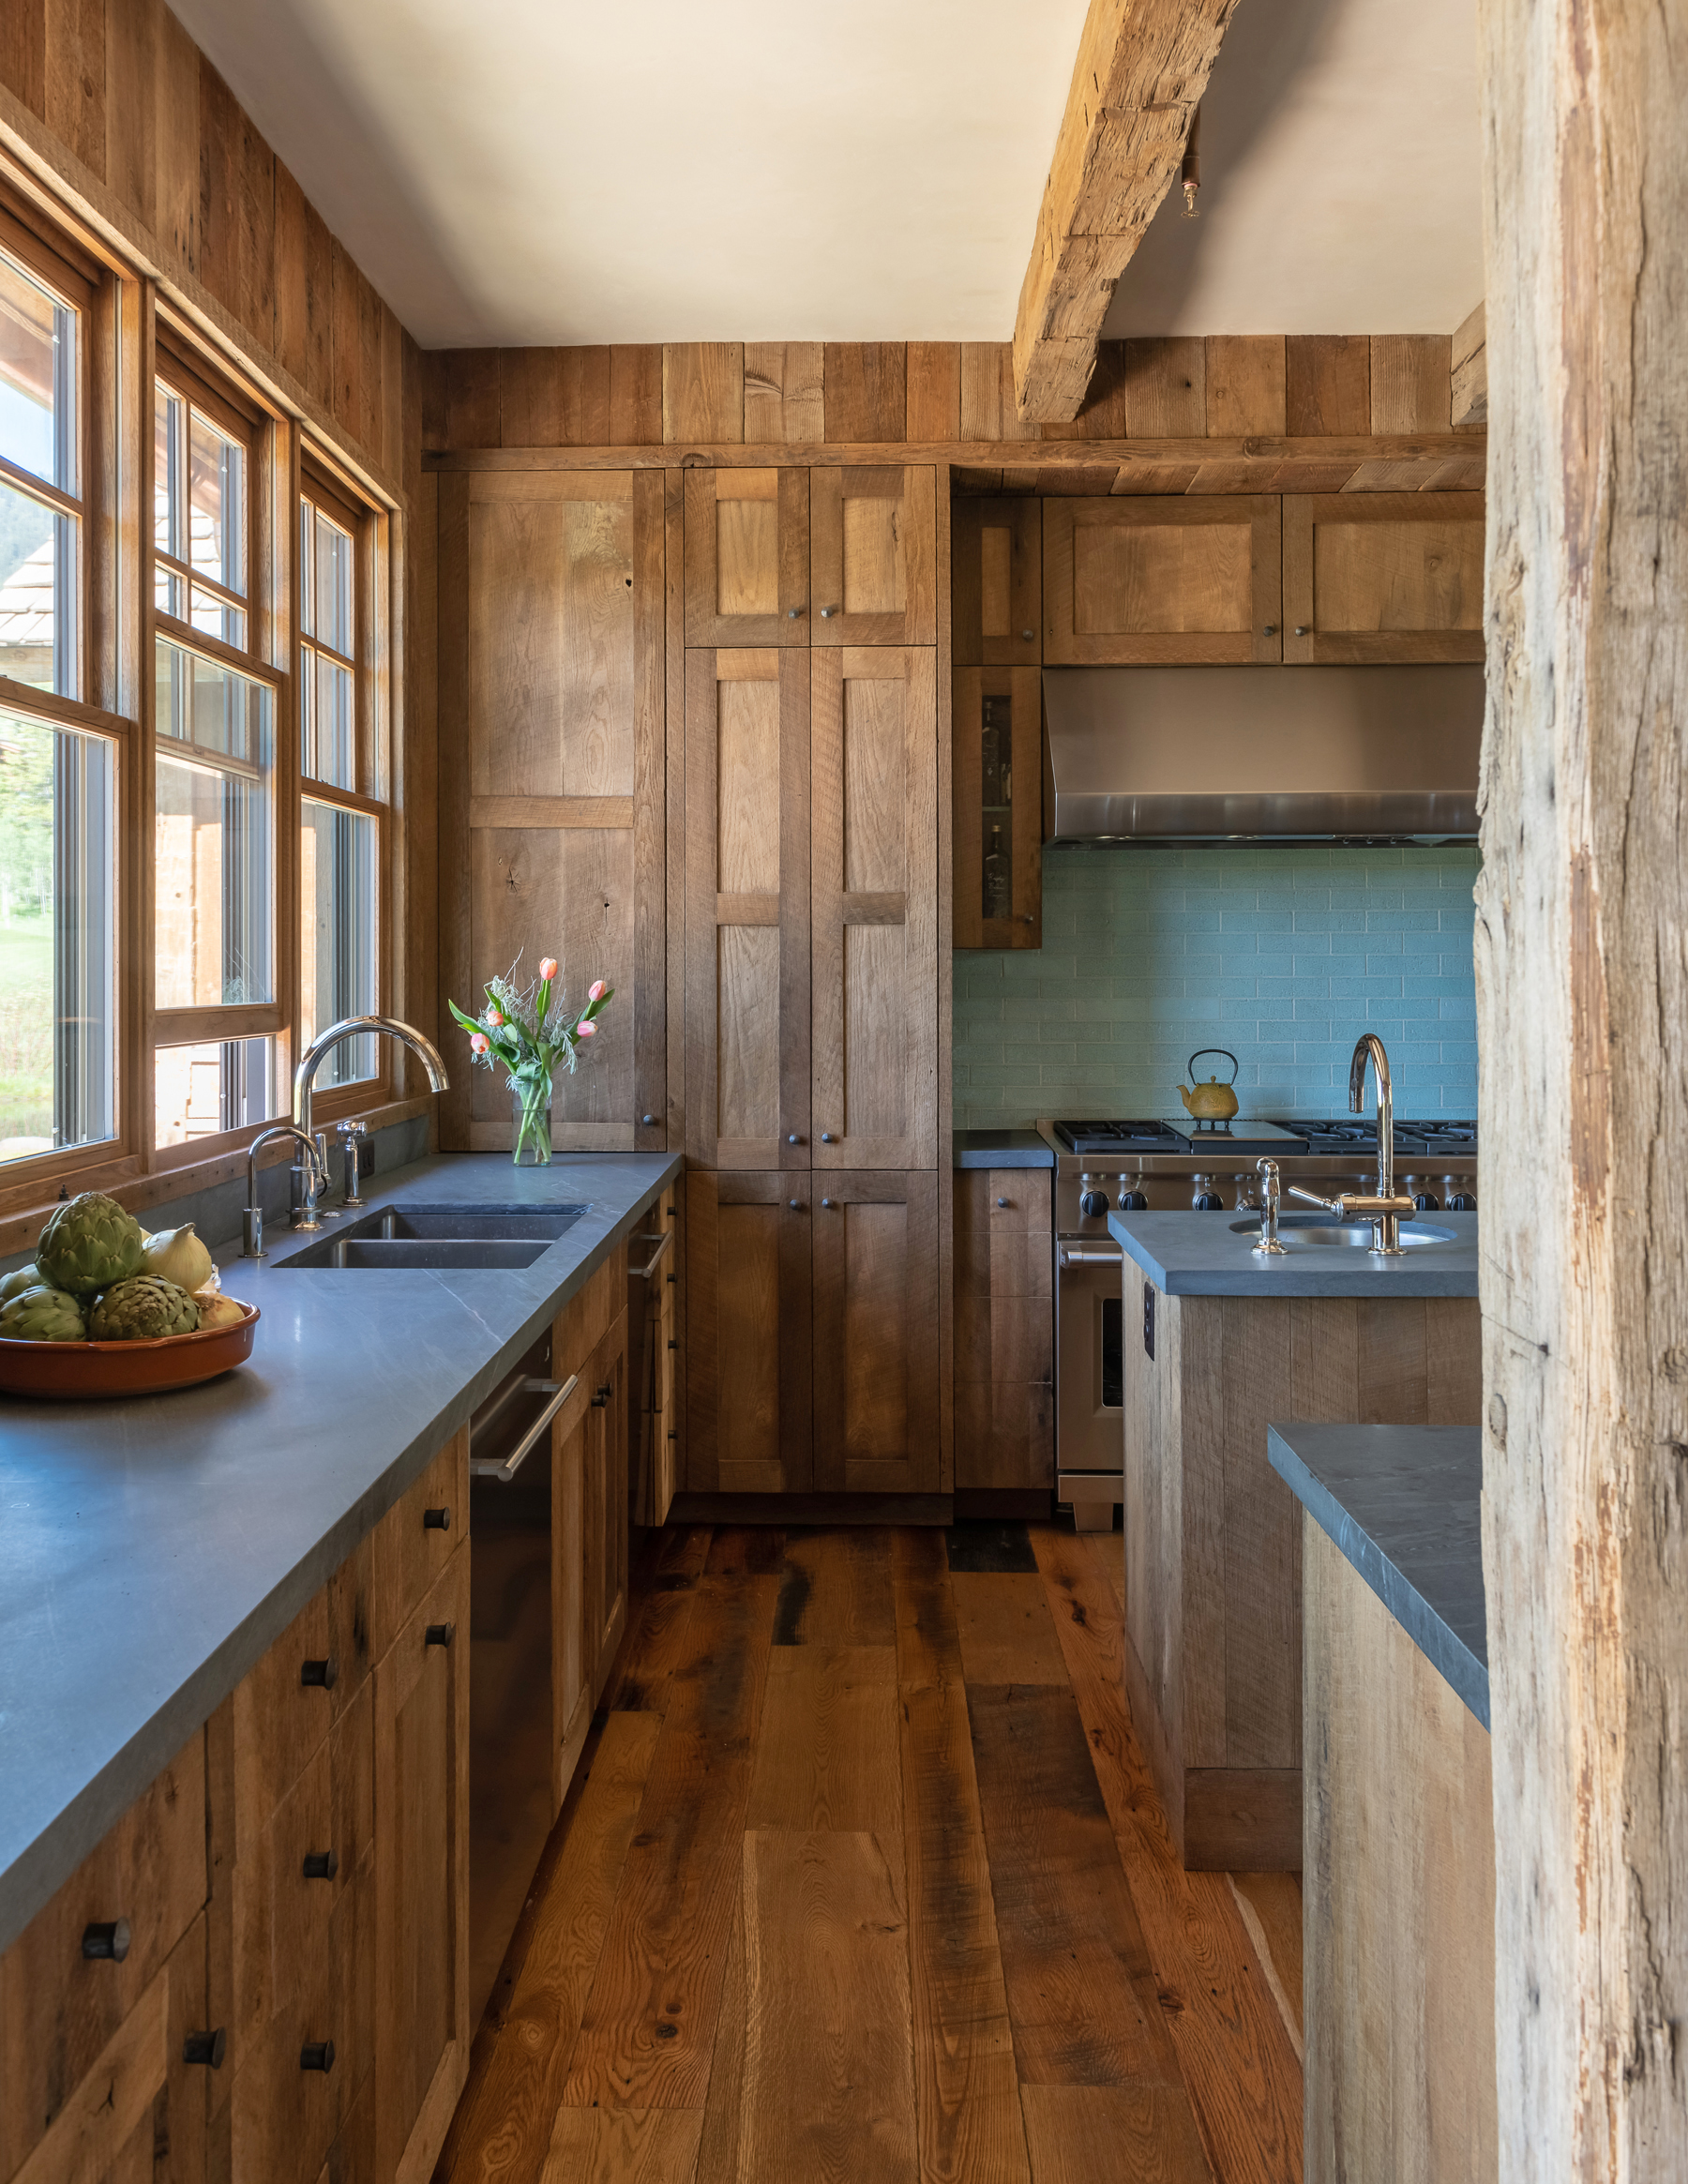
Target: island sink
<point>1319,1232</point>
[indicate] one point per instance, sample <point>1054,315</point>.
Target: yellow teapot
<point>1211,1101</point>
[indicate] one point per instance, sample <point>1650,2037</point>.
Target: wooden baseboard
<point>1242,1820</point>
<point>811,1509</point>
<point>1033,1502</point>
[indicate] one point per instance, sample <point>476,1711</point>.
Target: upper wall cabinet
<point>1383,577</point>
<point>552,781</point>
<point>875,850</point>
<point>1175,578</point>
<point>746,557</point>
<point>872,573</point>
<point>996,552</point>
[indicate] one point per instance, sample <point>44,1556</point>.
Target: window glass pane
<point>57,803</point>
<point>338,966</point>
<point>214,805</point>
<point>216,617</point>
<point>169,424</point>
<point>37,378</point>
<point>223,1084</point>
<point>307,569</point>
<point>333,722</point>
<point>333,621</point>
<point>216,511</point>
<point>37,593</point>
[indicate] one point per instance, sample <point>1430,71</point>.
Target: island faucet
<point>1386,1206</point>
<point>313,1176</point>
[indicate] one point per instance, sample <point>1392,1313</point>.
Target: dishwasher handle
<point>1092,1255</point>
<point>559,1392</point>
<point>661,1240</point>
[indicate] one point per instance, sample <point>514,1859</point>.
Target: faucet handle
<point>351,1136</point>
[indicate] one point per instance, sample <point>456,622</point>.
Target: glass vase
<point>531,1124</point>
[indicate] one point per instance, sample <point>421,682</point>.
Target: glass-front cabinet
<point>997,722</point>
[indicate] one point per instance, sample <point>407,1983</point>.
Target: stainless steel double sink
<point>438,1237</point>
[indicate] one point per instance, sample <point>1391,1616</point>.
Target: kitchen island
<point>1217,1345</point>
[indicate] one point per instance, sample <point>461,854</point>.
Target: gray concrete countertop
<point>1200,1255</point>
<point>1403,1505</point>
<point>152,1549</point>
<point>1001,1148</point>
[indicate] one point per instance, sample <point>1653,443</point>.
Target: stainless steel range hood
<point>1258,753</point>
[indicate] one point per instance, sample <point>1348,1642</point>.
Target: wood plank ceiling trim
<point>1142,68</point>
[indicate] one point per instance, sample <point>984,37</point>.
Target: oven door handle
<point>1092,1255</point>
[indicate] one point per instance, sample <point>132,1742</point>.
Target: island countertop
<point>151,1549</point>
<point>1201,1255</point>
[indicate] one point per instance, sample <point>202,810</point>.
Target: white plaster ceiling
<point>547,171</point>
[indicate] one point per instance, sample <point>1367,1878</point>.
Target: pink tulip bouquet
<point>530,1029</point>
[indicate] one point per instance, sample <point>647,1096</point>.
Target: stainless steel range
<point>1158,1165</point>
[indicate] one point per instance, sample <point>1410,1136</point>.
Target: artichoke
<point>89,1243</point>
<point>20,1279</point>
<point>142,1309</point>
<point>41,1315</point>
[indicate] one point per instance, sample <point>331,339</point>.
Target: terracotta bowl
<point>81,1371</point>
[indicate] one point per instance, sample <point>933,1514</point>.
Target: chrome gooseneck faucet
<point>251,1245</point>
<point>1385,1208</point>
<point>312,1175</point>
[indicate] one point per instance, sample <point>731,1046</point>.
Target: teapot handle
<point>1202,1050</point>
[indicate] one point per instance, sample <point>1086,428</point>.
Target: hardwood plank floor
<point>867,1879</point>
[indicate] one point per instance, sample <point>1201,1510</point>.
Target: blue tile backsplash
<point>1284,955</point>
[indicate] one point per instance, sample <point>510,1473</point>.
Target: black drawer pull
<point>436,1520</point>
<point>206,2047</point>
<point>437,1635</point>
<point>672,1343</point>
<point>319,1674</point>
<point>110,1940</point>
<point>320,1865</point>
<point>317,2054</point>
<point>602,1397</point>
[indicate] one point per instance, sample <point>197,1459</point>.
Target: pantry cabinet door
<point>875,787</point>
<point>746,557</point>
<point>1162,580</point>
<point>876,1333</point>
<point>1375,578</point>
<point>748,909</point>
<point>552,783</point>
<point>422,2029</point>
<point>873,577</point>
<point>747,1333</point>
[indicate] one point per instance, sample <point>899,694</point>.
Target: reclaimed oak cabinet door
<point>747,1333</point>
<point>551,786</point>
<point>1375,578</point>
<point>876,1333</point>
<point>872,575</point>
<point>746,557</point>
<point>1004,1329</point>
<point>996,552</point>
<point>748,909</point>
<point>606,1525</point>
<point>1164,579</point>
<point>875,848</point>
<point>422,2029</point>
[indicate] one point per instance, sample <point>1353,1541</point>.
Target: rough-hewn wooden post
<point>1582,976</point>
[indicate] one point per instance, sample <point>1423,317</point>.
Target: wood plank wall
<point>115,98</point>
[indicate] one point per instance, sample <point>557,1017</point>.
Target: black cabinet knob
<point>1002,1201</point>
<point>436,1520</point>
<point>320,1865</point>
<point>317,2054</point>
<point>320,1674</point>
<point>112,1941</point>
<point>208,2048</point>
<point>437,1635</point>
<point>648,1121</point>
<point>826,1137</point>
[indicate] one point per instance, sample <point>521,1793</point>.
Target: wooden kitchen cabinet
<point>606,1502</point>
<point>653,1353</point>
<point>1375,578</point>
<point>1163,579</point>
<point>872,570</point>
<point>749,1278</point>
<point>996,557</point>
<point>997,785</point>
<point>875,944</point>
<point>551,790</point>
<point>746,557</point>
<point>875,1288</point>
<point>1005,1331</point>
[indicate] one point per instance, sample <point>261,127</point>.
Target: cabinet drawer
<point>61,2007</point>
<point>411,1546</point>
<point>278,1718</point>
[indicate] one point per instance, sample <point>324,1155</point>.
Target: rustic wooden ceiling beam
<point>1142,68</point>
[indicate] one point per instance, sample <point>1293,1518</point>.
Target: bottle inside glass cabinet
<point>996,781</point>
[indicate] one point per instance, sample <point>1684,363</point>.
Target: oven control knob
<point>1133,1202</point>
<point>1092,1204</point>
<point>1427,1201</point>
<point>1462,1201</point>
<point>1206,1200</point>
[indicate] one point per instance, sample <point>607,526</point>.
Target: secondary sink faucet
<point>1385,1208</point>
<point>252,1219</point>
<point>313,1177</point>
